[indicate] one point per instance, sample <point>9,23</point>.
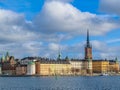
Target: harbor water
<point>61,83</point>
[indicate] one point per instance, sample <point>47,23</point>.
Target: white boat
<point>104,74</point>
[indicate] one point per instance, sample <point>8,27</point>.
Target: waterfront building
<point>114,66</point>
<point>88,55</point>
<point>21,69</point>
<point>37,67</point>
<point>78,67</point>
<point>31,70</point>
<point>52,67</point>
<point>100,66</point>
<point>8,65</point>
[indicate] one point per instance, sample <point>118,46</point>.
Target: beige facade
<point>77,67</point>
<point>100,66</point>
<point>53,68</point>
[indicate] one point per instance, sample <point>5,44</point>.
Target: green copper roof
<point>59,56</point>
<point>31,63</point>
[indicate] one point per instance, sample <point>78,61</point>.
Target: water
<point>60,83</point>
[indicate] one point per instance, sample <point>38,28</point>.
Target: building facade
<point>21,69</point>
<point>31,69</point>
<point>8,64</point>
<point>53,67</point>
<point>100,66</point>
<point>77,67</point>
<point>114,66</point>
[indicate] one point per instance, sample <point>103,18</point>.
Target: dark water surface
<point>60,83</point>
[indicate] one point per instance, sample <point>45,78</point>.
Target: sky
<point>46,27</point>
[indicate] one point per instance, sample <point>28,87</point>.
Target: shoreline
<point>56,75</point>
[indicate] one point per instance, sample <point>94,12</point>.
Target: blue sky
<point>41,27</point>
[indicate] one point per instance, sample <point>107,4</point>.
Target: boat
<point>104,74</point>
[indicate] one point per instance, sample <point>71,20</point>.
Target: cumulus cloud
<point>15,31</point>
<point>14,27</point>
<point>65,18</point>
<point>110,6</point>
<point>56,22</point>
<point>101,49</point>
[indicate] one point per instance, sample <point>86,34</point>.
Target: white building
<point>31,68</point>
<point>77,66</point>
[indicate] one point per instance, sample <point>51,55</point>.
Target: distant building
<point>21,69</point>
<point>52,67</point>
<point>78,67</point>
<point>31,69</point>
<point>8,65</point>
<point>26,60</point>
<point>114,66</point>
<point>100,66</point>
<point>88,55</point>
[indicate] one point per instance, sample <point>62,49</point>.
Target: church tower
<point>88,48</point>
<point>88,55</point>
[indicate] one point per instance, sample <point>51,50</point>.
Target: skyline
<point>39,28</point>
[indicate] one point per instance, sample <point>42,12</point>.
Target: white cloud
<point>54,46</point>
<point>102,50</point>
<point>15,31</point>
<point>14,27</point>
<point>65,18</point>
<point>113,40</point>
<point>110,6</point>
<point>56,22</point>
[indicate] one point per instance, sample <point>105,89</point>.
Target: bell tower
<point>88,55</point>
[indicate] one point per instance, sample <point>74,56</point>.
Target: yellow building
<point>52,67</point>
<point>100,66</point>
<point>114,66</point>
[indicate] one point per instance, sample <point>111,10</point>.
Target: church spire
<point>59,56</point>
<point>88,41</point>
<point>88,48</point>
